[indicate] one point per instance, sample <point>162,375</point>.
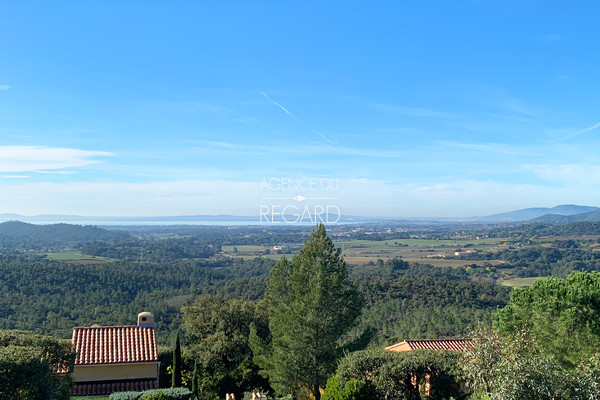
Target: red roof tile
<point>431,344</point>
<point>114,345</point>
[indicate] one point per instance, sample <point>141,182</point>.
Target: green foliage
<point>195,378</point>
<point>565,257</point>
<point>125,396</point>
<point>422,301</point>
<point>53,296</point>
<point>217,332</point>
<point>590,376</point>
<point>165,356</point>
<point>562,317</point>
<point>388,375</point>
<point>354,389</point>
<point>162,250</point>
<point>545,229</point>
<point>513,368</point>
<point>155,394</point>
<point>21,235</point>
<point>311,304</point>
<point>29,366</point>
<point>545,345</point>
<point>396,264</point>
<point>176,368</point>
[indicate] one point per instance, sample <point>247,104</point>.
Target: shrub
<point>125,396</point>
<point>29,364</point>
<point>155,394</point>
<point>381,374</point>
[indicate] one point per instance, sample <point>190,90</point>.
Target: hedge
<point>155,394</point>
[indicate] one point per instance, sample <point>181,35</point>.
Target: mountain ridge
<point>557,219</point>
<point>525,214</point>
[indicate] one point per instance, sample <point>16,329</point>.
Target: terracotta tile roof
<point>114,345</point>
<point>431,344</point>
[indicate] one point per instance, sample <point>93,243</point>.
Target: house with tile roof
<point>431,344</point>
<point>458,345</point>
<point>115,358</point>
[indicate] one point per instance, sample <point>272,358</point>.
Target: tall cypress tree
<point>176,369</point>
<point>195,379</point>
<point>311,305</point>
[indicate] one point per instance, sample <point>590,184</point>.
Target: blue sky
<point>416,108</point>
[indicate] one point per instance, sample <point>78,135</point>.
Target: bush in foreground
<point>155,394</point>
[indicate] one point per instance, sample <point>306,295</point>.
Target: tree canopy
<point>217,333</point>
<point>378,374</point>
<point>311,305</point>
<point>561,316</point>
<point>30,365</point>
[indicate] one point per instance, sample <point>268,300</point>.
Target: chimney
<point>145,320</point>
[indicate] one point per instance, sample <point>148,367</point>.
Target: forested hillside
<point>20,235</point>
<point>422,301</point>
<point>47,296</point>
<point>162,269</point>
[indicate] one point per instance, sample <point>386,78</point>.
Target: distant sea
<point>224,220</point>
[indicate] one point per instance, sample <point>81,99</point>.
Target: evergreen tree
<point>195,379</point>
<point>176,371</point>
<point>216,332</point>
<point>311,306</point>
<point>562,317</point>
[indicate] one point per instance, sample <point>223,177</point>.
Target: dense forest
<point>19,235</point>
<point>48,296</point>
<point>164,268</point>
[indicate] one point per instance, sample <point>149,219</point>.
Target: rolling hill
<point>24,235</point>
<point>557,219</point>
<point>533,213</point>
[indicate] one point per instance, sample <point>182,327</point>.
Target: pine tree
<point>176,371</point>
<point>311,305</point>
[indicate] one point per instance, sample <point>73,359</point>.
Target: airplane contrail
<point>296,119</point>
<point>591,128</point>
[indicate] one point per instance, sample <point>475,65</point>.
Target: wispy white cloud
<point>496,148</point>
<point>21,136</point>
<point>413,112</point>
<point>181,197</point>
<point>296,149</point>
<point>218,143</point>
<point>518,106</point>
<point>15,176</point>
<point>37,158</point>
<point>453,198</point>
<point>225,112</point>
<point>591,128</point>
<point>296,119</point>
<point>57,172</point>
<point>215,108</point>
<point>587,175</point>
<point>352,196</point>
<point>507,117</point>
<point>4,87</point>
